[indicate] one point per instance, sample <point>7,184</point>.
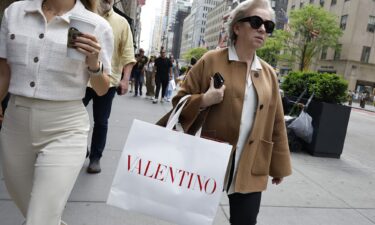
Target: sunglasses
<point>256,22</point>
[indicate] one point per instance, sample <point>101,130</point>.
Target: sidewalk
<point>355,105</point>
<point>320,191</point>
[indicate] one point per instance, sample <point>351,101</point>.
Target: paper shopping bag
<point>170,175</point>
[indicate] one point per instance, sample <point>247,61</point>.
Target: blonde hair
<point>90,5</point>
<point>241,12</point>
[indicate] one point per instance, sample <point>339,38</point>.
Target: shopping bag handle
<point>175,114</point>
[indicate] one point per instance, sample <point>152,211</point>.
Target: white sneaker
<point>162,100</point>
<point>154,101</point>
<point>168,99</point>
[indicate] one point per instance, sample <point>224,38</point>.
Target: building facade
<point>194,29</point>
<point>182,6</point>
<point>132,9</point>
<point>280,7</point>
<point>187,34</point>
<point>157,36</point>
<point>216,24</point>
<point>355,60</point>
<point>177,30</point>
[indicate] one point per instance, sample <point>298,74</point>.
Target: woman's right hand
<point>212,96</point>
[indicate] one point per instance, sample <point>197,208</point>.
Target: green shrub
<point>327,87</point>
<point>183,69</point>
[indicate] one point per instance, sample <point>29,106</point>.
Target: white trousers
<point>43,146</point>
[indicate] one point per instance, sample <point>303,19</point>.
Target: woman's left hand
<point>88,45</point>
<point>277,180</point>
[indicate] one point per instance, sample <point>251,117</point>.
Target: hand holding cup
<point>82,44</point>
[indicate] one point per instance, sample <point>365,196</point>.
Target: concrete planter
<point>330,122</point>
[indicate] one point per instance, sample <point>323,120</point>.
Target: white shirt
<point>36,51</point>
<point>248,110</point>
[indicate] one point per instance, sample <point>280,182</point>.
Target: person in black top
<point>163,73</point>
<point>139,72</point>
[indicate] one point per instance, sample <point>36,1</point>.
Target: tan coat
<point>266,152</point>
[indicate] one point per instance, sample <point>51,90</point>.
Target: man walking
<point>163,73</point>
<point>122,62</point>
<point>139,72</point>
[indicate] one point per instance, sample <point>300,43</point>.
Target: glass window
<point>321,3</point>
<point>293,7</point>
<point>333,2</point>
<point>337,55</point>
<point>324,53</point>
<point>371,24</point>
<point>344,18</point>
<point>311,1</point>
<point>365,54</point>
<point>301,5</point>
<point>273,3</point>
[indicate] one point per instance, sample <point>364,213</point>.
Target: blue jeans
<point>138,81</point>
<point>101,110</point>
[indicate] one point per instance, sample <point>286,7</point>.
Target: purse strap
<point>175,114</point>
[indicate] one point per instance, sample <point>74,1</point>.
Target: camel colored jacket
<point>266,152</point>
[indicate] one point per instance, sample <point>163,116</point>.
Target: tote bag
<point>170,175</point>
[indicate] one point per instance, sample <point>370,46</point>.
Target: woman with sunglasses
<point>245,112</point>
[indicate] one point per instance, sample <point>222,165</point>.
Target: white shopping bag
<point>170,175</point>
<point>172,85</point>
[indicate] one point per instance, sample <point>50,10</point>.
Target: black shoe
<point>94,166</point>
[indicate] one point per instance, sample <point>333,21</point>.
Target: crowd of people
<point>157,73</point>
<point>43,141</point>
<point>361,98</point>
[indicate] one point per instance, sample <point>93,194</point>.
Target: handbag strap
<point>175,114</point>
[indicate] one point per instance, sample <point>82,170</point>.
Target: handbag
<point>170,175</point>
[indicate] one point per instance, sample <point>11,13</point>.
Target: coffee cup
<point>78,26</point>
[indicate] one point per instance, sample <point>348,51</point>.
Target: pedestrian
<point>245,112</point>
<point>350,97</point>
<point>172,82</point>
<point>132,76</point>
<point>193,61</point>
<point>362,100</point>
<point>45,128</point>
<point>139,72</point>
<point>122,63</point>
<point>163,73</point>
<point>150,79</point>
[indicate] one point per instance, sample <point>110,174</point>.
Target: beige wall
<point>355,36</point>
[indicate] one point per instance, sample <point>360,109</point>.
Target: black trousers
<point>163,82</point>
<point>244,208</point>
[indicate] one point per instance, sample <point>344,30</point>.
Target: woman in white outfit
<point>45,127</point>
